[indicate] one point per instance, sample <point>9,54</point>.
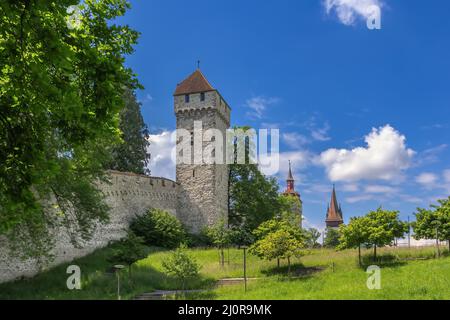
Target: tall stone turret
<point>202,176</point>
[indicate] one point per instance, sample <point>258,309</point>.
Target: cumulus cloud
<point>162,148</point>
<point>384,157</point>
<point>259,104</point>
<point>349,11</point>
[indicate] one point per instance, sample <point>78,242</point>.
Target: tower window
<point>202,96</point>
<point>186,98</point>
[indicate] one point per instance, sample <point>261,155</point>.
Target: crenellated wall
<point>127,195</point>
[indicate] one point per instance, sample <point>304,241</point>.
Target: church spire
<point>290,180</point>
<point>334,212</point>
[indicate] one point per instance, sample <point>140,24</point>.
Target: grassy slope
<point>428,279</point>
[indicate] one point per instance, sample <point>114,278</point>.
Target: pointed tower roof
<point>334,212</point>
<point>290,176</point>
<point>195,83</point>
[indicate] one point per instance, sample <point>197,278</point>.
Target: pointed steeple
<point>195,83</point>
<point>334,212</point>
<point>290,176</point>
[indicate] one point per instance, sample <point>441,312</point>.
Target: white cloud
<point>447,176</point>
<point>350,187</point>
<point>359,198</point>
<point>431,155</point>
<point>380,189</point>
<point>348,11</point>
<point>321,134</point>
<point>384,158</point>
<point>259,104</point>
<point>161,149</point>
<point>427,179</point>
<point>299,160</point>
<point>295,140</point>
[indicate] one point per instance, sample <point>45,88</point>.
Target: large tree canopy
<point>433,222</point>
<point>253,197</point>
<point>61,90</point>
<point>132,154</point>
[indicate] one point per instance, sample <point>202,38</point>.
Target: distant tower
<point>290,191</point>
<point>203,196</point>
<point>334,213</point>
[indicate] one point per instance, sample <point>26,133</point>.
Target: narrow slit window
<point>186,98</point>
<point>202,96</point>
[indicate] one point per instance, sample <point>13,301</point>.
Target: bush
<point>181,266</point>
<point>159,228</point>
<point>129,250</point>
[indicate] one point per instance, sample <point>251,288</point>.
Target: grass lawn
<point>322,274</point>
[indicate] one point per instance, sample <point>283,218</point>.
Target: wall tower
<point>203,193</point>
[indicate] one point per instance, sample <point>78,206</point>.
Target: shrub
<point>129,250</point>
<point>181,266</point>
<point>159,228</point>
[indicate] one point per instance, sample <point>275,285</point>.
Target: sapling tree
<point>181,266</point>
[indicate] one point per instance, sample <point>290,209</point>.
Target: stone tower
<point>202,178</point>
<point>290,191</point>
<point>334,213</point>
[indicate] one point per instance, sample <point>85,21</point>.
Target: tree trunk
<point>278,263</point>
<point>359,255</point>
<point>289,266</point>
<point>448,245</point>
<point>374,252</point>
<point>222,256</point>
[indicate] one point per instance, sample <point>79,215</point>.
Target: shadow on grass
<point>297,270</point>
<point>383,260</point>
<point>98,281</point>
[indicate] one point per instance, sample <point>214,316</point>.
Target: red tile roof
<point>195,83</point>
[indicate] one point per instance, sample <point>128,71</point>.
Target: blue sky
<point>324,79</point>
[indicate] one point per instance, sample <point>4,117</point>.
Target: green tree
<point>290,209</point>
<point>312,236</point>
<point>159,228</point>
<point>181,266</point>
<point>331,238</point>
<point>383,227</point>
<point>354,235</point>
<point>61,91</point>
<point>253,197</point>
<point>221,236</point>
<point>278,240</point>
<point>132,155</point>
<point>433,223</point>
<point>129,250</point>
